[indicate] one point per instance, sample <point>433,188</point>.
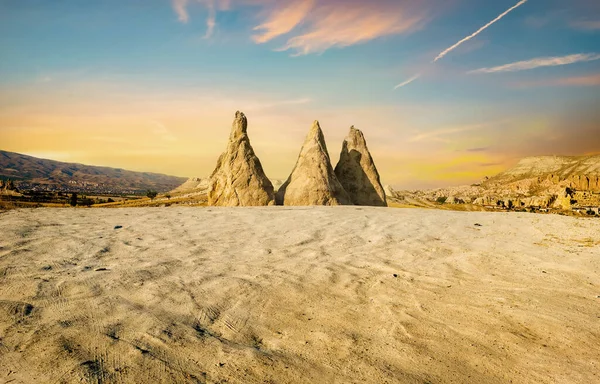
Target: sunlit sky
<point>445,91</point>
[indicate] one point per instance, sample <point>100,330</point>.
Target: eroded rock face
<point>8,185</point>
<point>313,181</point>
<point>357,173</point>
<point>239,179</point>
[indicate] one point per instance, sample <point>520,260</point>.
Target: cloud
<point>180,7</point>
<point>586,25</point>
<point>337,24</point>
<point>480,149</point>
<point>318,25</point>
<point>575,81</point>
<point>540,62</point>
<point>162,131</point>
<point>450,49</point>
<point>438,134</point>
<point>283,20</point>
<point>415,77</point>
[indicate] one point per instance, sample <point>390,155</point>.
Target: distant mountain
<point>578,172</point>
<point>31,172</point>
<point>543,182</point>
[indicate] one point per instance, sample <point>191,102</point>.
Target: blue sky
<point>153,85</point>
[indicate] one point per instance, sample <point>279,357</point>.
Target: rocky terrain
<point>29,172</point>
<point>313,181</point>
<point>357,173</point>
<point>535,183</point>
<point>239,179</point>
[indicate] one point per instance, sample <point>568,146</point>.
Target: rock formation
<point>239,179</point>
<point>577,172</point>
<point>7,185</point>
<point>193,184</point>
<point>547,183</point>
<point>313,181</point>
<point>357,173</point>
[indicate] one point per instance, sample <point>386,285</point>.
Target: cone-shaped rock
<point>239,179</point>
<point>313,182</point>
<point>357,173</point>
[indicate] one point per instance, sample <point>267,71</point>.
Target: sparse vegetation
<point>151,194</point>
<point>86,202</point>
<point>441,199</point>
<point>73,199</point>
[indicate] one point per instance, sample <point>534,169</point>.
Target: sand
<point>298,295</point>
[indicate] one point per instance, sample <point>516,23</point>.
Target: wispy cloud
<point>450,49</point>
<point>337,24</point>
<point>212,6</point>
<point>180,7</point>
<point>318,25</point>
<point>415,77</point>
<point>479,149</point>
<point>162,131</point>
<point>439,134</point>
<point>586,25</point>
<point>211,20</point>
<point>540,62</point>
<point>283,20</point>
<point>575,81</point>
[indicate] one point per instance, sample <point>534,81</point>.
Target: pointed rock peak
<point>314,138</point>
<point>316,127</point>
<point>355,138</point>
<point>315,133</point>
<point>239,179</point>
<point>240,125</point>
<point>357,173</point>
<point>313,182</point>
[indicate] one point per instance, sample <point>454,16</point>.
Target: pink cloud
<point>283,20</point>
<point>180,7</point>
<point>317,25</point>
<point>339,25</point>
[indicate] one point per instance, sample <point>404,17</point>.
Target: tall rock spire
<point>357,173</point>
<point>313,181</point>
<point>239,179</point>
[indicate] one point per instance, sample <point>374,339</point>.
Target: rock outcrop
<point>578,172</point>
<point>357,173</point>
<point>313,181</point>
<point>193,184</point>
<point>239,179</point>
<point>7,185</point>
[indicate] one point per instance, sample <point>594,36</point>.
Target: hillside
<point>562,183</point>
<point>32,172</point>
<point>579,172</point>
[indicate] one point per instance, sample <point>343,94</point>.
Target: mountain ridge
<point>29,171</point>
<point>566,183</point>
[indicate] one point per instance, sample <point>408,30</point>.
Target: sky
<point>445,91</point>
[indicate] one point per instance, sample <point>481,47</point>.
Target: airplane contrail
<point>448,50</point>
<point>445,52</point>
<point>415,77</point>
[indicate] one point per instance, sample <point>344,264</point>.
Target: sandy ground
<point>304,295</point>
